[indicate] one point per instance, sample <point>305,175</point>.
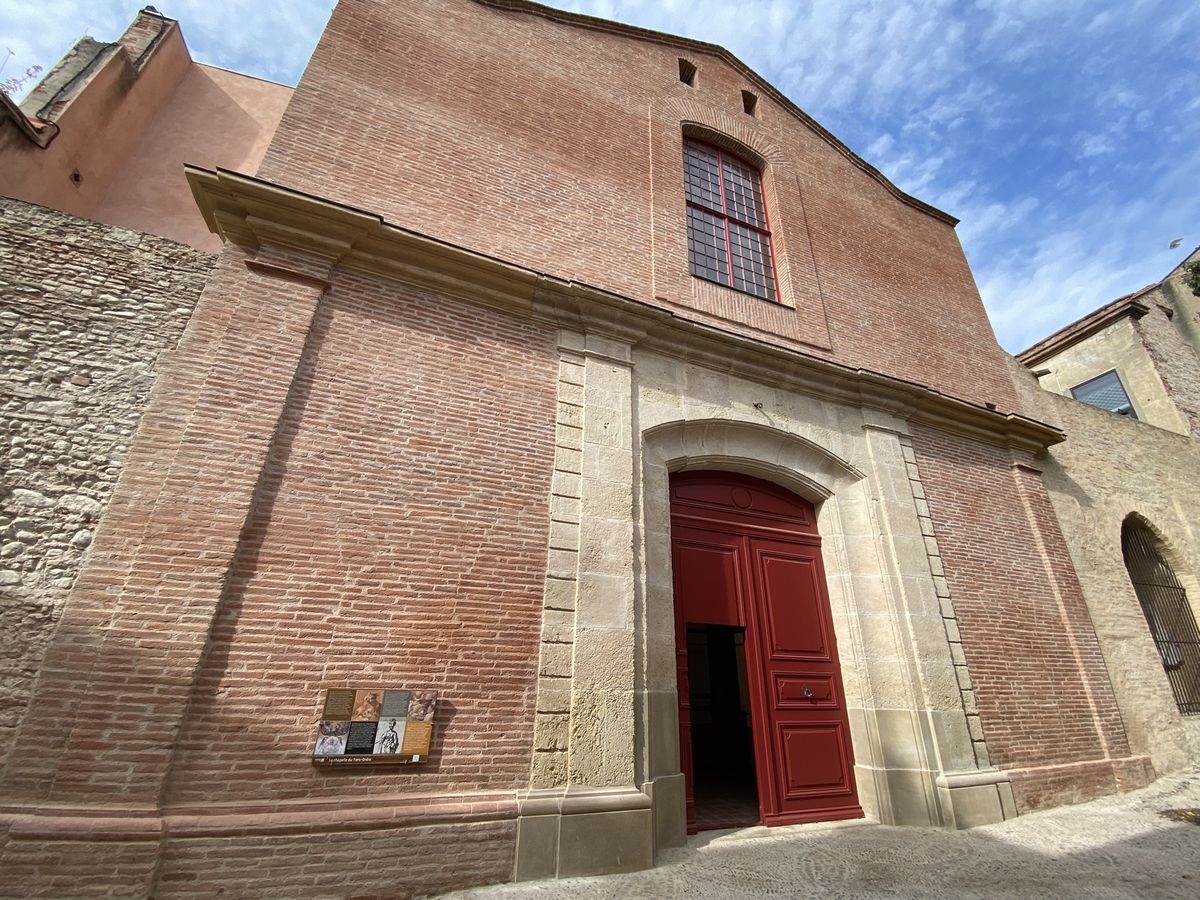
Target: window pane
<point>707,255</point>
<point>1105,392</point>
<point>743,193</point>
<point>751,253</point>
<point>702,176</point>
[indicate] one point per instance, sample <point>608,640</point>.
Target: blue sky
<point>1064,133</point>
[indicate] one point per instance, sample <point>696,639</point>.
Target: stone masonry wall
<point>85,310</point>
<point>1176,361</point>
<point>1111,467</point>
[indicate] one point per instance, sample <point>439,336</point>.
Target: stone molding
<point>133,823</point>
<point>252,212</point>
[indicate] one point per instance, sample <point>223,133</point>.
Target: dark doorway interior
<point>724,784</point>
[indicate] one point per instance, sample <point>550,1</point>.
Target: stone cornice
<point>1084,328</point>
<point>252,212</point>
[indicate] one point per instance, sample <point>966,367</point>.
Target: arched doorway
<point>1168,614</point>
<point>764,734</point>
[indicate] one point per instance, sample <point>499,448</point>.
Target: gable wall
<point>558,147</point>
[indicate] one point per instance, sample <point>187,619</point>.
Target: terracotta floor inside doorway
<point>726,806</point>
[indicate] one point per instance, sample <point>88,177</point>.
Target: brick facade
<point>399,525</point>
<point>558,147</point>
<point>1044,696</point>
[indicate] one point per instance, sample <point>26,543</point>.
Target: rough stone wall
<point>1108,468</point>
<point>85,310</point>
<point>1120,347</point>
<point>1177,363</point>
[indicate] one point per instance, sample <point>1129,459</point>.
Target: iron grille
<point>1165,606</point>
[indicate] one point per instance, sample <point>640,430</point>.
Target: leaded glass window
<point>729,240</point>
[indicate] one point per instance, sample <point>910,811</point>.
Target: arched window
<point>729,239</point>
<point>1165,606</point>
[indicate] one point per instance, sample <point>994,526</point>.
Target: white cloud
<point>268,38</point>
<point>1102,252</point>
<point>1095,145</point>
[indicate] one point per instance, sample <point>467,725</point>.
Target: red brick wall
<point>347,489</point>
<point>389,863</point>
<point>1045,699</point>
<point>399,537</point>
<point>558,147</point>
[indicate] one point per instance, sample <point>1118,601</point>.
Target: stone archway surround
<point>913,754</point>
<point>606,788</point>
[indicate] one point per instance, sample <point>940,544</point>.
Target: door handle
<point>807,692</point>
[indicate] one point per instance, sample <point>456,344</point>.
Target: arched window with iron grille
<point>1165,606</point>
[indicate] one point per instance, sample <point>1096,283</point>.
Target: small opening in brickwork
<point>687,73</point>
<point>76,177</point>
<point>749,103</point>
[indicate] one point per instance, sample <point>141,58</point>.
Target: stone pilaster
<point>584,814</point>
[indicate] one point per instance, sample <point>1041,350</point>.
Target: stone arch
<point>751,448</point>
<point>1167,607</point>
<point>837,489</point>
<point>1168,545</point>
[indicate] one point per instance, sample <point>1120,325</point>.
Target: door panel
<point>795,627</point>
<point>814,759</point>
<point>709,581</point>
<point>805,690</point>
<point>706,566</point>
<point>805,729</point>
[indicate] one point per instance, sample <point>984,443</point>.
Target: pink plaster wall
<point>214,118</point>
<point>98,130</point>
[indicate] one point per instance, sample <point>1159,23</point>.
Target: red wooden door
<point>709,571</point>
<point>747,553</point>
<point>804,729</point>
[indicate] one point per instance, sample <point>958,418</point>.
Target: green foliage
<point>1191,277</point>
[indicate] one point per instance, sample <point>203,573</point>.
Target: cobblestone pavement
<point>1114,847</point>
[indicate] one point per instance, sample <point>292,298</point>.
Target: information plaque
<point>374,725</point>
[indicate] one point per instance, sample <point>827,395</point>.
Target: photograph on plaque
<point>361,726</point>
<point>395,705</point>
<point>339,705</point>
<point>422,706</point>
<point>417,737</point>
<point>361,738</point>
<point>331,738</point>
<point>368,704</point>
<point>389,737</point>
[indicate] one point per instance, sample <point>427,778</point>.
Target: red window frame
<point>703,243</point>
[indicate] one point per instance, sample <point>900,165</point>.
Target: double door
<point>747,554</point>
